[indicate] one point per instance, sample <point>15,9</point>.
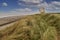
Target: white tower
<point>42,10</point>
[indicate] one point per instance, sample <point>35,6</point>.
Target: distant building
<point>42,10</point>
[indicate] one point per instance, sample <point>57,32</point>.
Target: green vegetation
<point>33,27</point>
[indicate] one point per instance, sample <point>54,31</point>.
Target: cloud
<point>56,3</point>
<point>30,2</point>
<point>4,4</point>
<point>53,5</point>
<point>33,1</point>
<point>25,11</point>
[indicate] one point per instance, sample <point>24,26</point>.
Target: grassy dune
<point>33,27</point>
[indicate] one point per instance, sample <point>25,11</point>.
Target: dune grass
<point>33,27</point>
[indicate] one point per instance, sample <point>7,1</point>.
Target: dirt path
<point>3,27</point>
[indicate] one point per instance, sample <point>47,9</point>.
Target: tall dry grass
<point>34,27</point>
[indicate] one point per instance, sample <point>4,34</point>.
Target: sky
<point>22,7</point>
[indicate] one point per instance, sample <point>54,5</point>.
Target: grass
<point>33,27</point>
